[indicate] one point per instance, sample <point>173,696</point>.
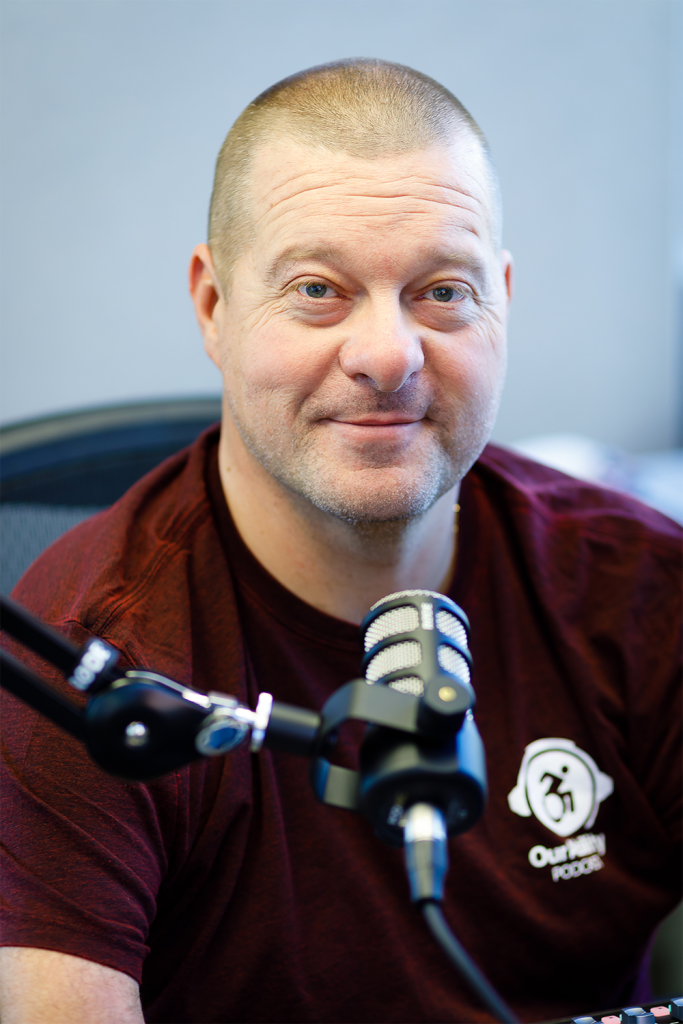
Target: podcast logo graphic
<point>560,785</point>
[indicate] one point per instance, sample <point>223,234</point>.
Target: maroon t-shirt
<point>232,895</point>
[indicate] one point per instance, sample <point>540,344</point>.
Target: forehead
<point>324,197</point>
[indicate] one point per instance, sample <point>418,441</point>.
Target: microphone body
<point>416,643</point>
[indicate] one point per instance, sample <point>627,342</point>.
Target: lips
<point>373,430</point>
<point>375,420</point>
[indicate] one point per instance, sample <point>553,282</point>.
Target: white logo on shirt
<point>559,784</point>
<point>576,857</point>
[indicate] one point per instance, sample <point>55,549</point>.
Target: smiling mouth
<point>390,420</point>
<point>376,430</point>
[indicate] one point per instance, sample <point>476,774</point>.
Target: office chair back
<point>58,470</point>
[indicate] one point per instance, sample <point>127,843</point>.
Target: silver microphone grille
<point>453,663</point>
<point>452,627</point>
<point>397,620</point>
<point>397,615</point>
<point>391,659</point>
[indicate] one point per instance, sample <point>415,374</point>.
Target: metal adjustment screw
<point>136,735</point>
<point>223,730</point>
<point>261,719</point>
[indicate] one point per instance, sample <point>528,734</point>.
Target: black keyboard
<point>661,1012</point>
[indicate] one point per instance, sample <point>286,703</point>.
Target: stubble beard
<point>383,490</point>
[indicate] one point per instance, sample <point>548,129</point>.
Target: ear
<point>208,300</point>
<point>508,272</point>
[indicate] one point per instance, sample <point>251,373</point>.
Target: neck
<point>338,567</point>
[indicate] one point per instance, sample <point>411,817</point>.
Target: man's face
<point>362,344</point>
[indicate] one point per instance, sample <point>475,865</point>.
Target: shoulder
<point>134,563</point>
<point>586,550</point>
<point>554,501</point>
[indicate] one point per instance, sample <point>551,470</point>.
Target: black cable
<point>466,966</point>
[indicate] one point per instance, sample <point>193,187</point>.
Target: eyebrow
<point>458,260</point>
<point>328,254</point>
<point>325,254</point>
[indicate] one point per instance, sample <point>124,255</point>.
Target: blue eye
<point>316,290</point>
<point>444,294</point>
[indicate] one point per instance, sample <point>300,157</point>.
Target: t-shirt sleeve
<point>83,853</point>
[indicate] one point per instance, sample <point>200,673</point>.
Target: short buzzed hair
<point>361,106</point>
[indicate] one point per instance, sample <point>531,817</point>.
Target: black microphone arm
<point>137,724</point>
<point>422,774</point>
<point>422,745</point>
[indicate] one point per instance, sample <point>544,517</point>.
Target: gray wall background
<point>113,112</point>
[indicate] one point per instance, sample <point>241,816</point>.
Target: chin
<point>400,490</point>
<point>376,499</point>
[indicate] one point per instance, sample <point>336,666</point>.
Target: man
<point>354,296</point>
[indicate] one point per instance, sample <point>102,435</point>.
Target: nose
<point>384,346</point>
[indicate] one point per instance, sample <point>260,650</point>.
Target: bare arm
<point>41,986</point>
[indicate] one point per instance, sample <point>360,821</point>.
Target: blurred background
<point>113,112</point>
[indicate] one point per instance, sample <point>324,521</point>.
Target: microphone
<point>412,637</point>
<point>416,643</point>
